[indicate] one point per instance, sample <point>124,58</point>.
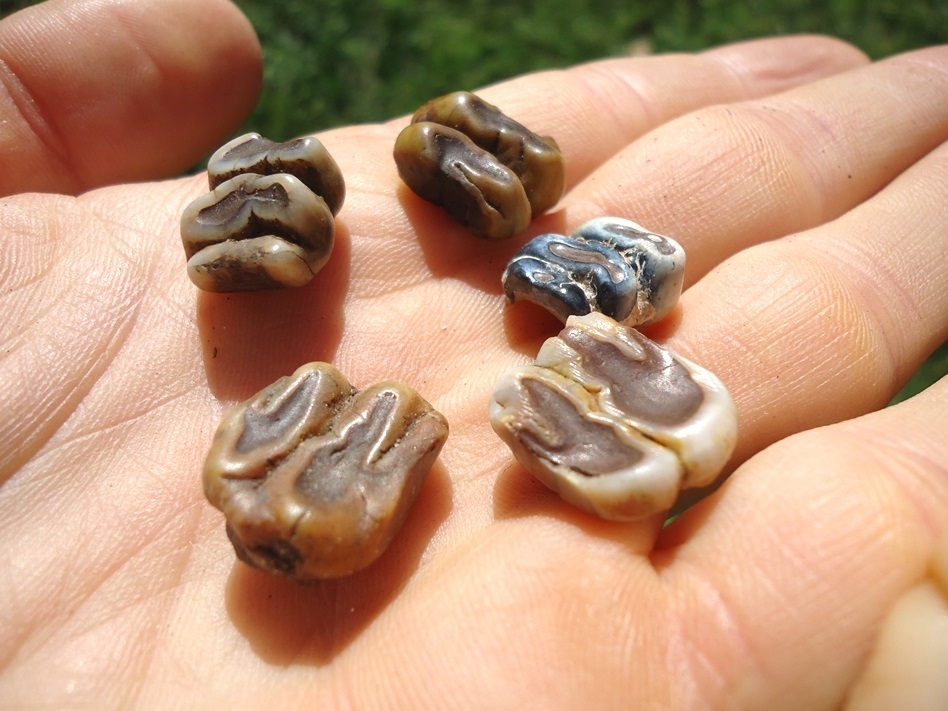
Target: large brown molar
<point>503,174</point>
<point>613,422</point>
<point>445,167</point>
<point>535,160</point>
<point>314,477</point>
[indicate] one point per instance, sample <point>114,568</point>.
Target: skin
<point>807,187</point>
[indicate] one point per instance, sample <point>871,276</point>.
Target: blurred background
<point>337,62</point>
<point>334,62</point>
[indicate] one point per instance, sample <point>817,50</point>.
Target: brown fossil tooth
<point>314,477</point>
<point>256,232</point>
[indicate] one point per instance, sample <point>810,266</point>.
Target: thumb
<point>102,91</point>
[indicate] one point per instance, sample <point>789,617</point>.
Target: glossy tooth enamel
<point>610,265</point>
<point>615,423</point>
<point>487,171</point>
<point>314,477</point>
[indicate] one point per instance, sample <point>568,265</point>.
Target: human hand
<point>807,189</point>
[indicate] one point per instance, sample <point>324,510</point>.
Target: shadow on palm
<point>249,340</point>
<point>286,622</point>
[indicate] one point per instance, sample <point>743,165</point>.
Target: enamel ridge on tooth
<point>268,221</point>
<point>487,171</point>
<point>256,232</point>
<point>304,158</point>
<point>610,265</point>
<point>314,477</point>
<point>613,422</point>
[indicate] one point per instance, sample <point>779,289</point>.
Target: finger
<point>595,109</point>
<point>102,92</point>
<point>909,663</point>
<point>828,324</point>
<point>793,567</point>
<point>730,176</point>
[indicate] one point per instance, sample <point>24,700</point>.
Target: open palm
<point>807,188</point>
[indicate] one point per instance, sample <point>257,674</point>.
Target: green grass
<point>336,62</point>
<point>935,368</point>
<point>350,61</point>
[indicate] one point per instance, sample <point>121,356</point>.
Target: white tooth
<point>612,421</point>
